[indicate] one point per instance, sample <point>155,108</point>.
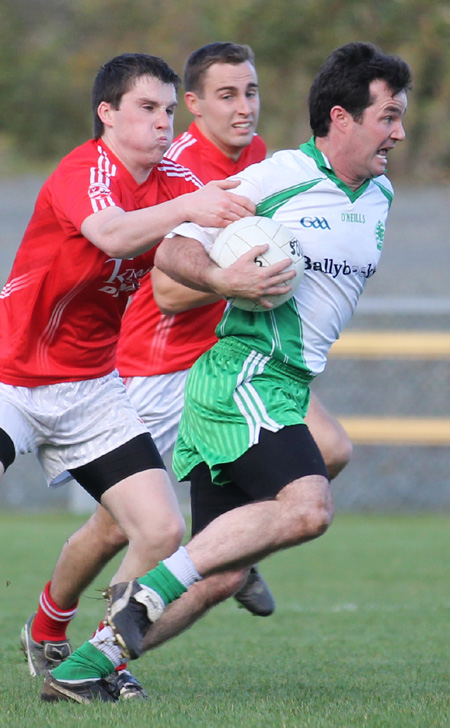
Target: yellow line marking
<point>392,344</point>
<point>397,430</point>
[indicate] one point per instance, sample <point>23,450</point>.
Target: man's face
<point>228,109</point>
<point>372,137</point>
<point>140,131</point>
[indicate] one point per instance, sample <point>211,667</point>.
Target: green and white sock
<point>86,663</point>
<point>182,567</point>
<point>172,577</point>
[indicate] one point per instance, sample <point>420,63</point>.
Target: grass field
<point>360,637</point>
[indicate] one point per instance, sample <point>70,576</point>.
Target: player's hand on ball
<point>245,280</point>
<point>261,263</point>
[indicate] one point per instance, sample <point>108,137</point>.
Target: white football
<point>242,235</point>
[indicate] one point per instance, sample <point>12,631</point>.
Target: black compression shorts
<point>132,457</point>
<point>259,474</point>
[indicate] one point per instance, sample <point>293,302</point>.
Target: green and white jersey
<point>341,233</point>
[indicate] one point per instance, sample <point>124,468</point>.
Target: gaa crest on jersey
<point>379,234</point>
<point>318,223</point>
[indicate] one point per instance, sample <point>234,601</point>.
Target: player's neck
<point>139,167</point>
<point>232,153</point>
<point>338,156</point>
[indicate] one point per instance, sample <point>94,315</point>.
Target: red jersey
<point>61,308</point>
<point>150,342</point>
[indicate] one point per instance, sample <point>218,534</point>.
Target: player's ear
<point>104,113</point>
<point>340,117</point>
<point>191,101</point>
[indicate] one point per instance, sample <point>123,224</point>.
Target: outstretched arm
<point>123,234</point>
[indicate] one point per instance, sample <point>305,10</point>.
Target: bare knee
<point>147,510</point>
<point>319,519</point>
<point>162,539</point>
<point>308,509</point>
<point>338,456</point>
<point>173,533</point>
<point>107,530</point>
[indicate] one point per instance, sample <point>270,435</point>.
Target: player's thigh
<point>7,451</point>
<point>145,506</point>
<point>209,500</point>
<point>131,482</point>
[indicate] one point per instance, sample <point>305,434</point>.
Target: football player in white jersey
<point>268,482</point>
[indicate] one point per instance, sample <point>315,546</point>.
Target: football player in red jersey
<point>89,243</point>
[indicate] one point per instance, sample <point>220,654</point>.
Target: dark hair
<point>117,76</point>
<point>344,80</point>
<point>200,60</point>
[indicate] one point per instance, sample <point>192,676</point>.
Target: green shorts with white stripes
<point>232,392</point>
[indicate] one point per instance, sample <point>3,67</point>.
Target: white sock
<point>103,640</point>
<point>182,567</point>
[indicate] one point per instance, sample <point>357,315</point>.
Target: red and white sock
<point>50,623</point>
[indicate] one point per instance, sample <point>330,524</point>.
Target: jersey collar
<point>309,148</point>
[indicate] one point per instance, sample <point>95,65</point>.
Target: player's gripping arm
<point>173,298</point>
<point>186,261</point>
<point>123,234</point>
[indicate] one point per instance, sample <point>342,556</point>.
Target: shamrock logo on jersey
<point>379,234</point>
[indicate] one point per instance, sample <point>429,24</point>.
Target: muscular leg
<point>87,551</point>
<point>146,509</point>
<point>333,441</point>
<point>141,509</point>
<point>84,555</point>
<point>301,511</point>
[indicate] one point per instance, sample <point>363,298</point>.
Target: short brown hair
<point>117,76</point>
<point>221,52</point>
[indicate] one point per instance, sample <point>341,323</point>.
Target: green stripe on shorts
<point>232,392</point>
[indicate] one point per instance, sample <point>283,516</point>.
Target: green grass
<point>360,637</point>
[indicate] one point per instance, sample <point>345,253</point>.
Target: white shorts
<point>159,400</point>
<point>69,424</point>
